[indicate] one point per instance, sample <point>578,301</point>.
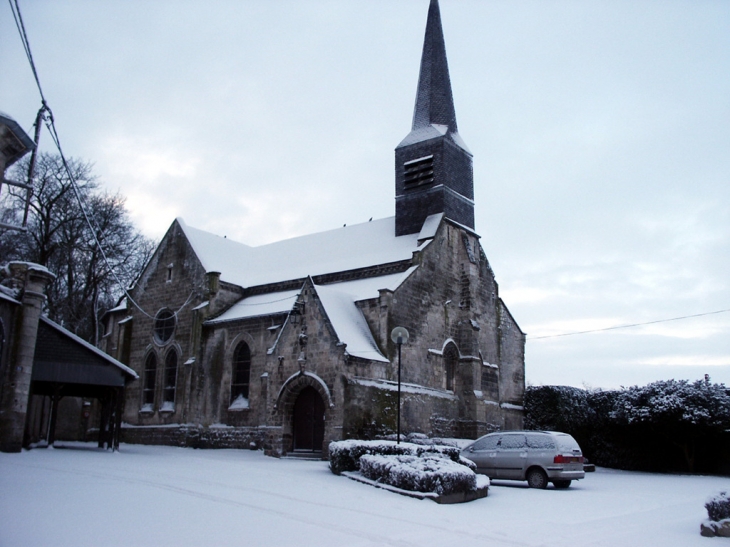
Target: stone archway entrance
<point>308,421</point>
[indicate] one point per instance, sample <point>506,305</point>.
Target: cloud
<point>599,130</point>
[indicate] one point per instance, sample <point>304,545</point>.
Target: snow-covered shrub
<point>718,507</point>
<point>682,412</point>
<point>669,425</point>
<point>428,473</point>
<point>557,408</point>
<point>345,455</point>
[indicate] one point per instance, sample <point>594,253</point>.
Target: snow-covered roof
<point>362,289</point>
<point>433,131</point>
<point>348,248</point>
<point>5,294</point>
<point>13,148</point>
<point>349,323</point>
<point>338,301</point>
<point>260,304</point>
<point>430,225</point>
<point>122,306</point>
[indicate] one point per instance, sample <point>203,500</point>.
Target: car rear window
<point>540,442</point>
<point>566,443</point>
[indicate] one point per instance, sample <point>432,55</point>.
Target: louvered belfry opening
<point>433,165</point>
<point>418,171</point>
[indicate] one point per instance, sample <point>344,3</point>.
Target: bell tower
<point>433,166</point>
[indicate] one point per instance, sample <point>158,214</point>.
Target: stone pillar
<point>32,279</point>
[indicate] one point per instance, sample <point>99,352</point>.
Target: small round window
<point>164,326</point>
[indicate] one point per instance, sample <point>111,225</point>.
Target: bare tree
<point>60,238</point>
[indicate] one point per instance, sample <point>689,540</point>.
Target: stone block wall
<point>371,410</point>
<point>194,436</point>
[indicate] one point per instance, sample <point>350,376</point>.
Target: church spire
<point>434,101</point>
<point>433,166</point>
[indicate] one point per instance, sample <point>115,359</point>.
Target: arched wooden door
<point>308,427</point>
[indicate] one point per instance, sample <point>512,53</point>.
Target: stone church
<point>287,346</point>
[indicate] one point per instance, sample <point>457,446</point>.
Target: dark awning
<point>64,358</point>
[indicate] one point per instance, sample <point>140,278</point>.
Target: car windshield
<point>486,443</point>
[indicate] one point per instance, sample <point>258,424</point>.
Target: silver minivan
<point>539,457</point>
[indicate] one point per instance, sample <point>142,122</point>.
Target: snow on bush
<point>345,455</point>
<point>667,425</point>
<point>718,507</point>
<point>427,473</point>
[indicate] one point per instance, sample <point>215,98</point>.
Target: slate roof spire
<point>434,101</point>
<point>433,166</point>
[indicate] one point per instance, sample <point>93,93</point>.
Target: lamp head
<point>399,335</point>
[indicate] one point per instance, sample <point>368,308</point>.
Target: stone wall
<point>371,410</point>
<point>450,304</point>
<point>194,436</point>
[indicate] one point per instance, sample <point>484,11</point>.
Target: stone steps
<point>303,455</point>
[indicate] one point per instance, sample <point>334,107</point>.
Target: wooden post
<point>55,398</point>
<point>104,421</point>
<point>116,423</point>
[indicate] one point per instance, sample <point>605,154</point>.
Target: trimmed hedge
<point>345,455</point>
<point>428,473</point>
<point>718,507</point>
<point>664,426</point>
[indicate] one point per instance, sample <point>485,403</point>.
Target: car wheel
<point>536,478</point>
<point>561,484</point>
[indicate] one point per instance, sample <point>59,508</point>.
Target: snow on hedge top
<point>342,249</point>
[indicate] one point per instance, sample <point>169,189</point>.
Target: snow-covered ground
<point>160,496</point>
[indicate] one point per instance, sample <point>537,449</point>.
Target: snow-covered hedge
<point>427,473</point>
<point>345,455</point>
<point>718,507</point>
<point>668,425</point>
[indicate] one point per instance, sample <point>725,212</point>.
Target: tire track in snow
<point>378,539</point>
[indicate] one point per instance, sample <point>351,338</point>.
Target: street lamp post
<point>399,335</point>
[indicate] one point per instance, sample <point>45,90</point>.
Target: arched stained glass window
<point>170,377</point>
<point>451,358</point>
<point>150,378</point>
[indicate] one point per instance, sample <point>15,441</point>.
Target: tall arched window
<point>451,358</point>
<point>168,395</point>
<point>241,375</point>
<point>150,377</point>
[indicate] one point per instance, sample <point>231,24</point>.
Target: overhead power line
<point>627,326</point>
<point>47,116</point>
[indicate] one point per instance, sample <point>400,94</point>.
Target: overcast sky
<point>600,133</point>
